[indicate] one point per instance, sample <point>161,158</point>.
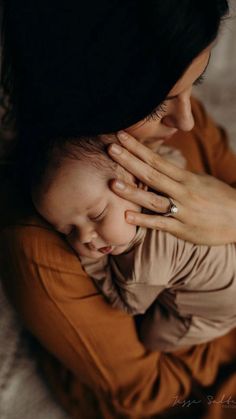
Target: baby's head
<point>73,195</point>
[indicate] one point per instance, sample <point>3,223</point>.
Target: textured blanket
<point>23,393</point>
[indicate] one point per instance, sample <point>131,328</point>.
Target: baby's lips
<point>105,250</point>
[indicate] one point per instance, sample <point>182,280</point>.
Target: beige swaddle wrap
<point>191,288</point>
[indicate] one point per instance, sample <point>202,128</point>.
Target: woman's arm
<point>61,307</point>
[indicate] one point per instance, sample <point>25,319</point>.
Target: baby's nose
<point>86,237</point>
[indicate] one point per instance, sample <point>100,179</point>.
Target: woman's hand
<point>206,206</point>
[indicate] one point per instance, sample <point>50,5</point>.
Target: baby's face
<point>80,205</point>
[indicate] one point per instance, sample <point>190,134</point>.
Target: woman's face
<point>175,112</point>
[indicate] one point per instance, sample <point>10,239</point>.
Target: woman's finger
<point>167,225</point>
<point>148,156</point>
<point>142,171</point>
<point>156,222</point>
<point>145,199</point>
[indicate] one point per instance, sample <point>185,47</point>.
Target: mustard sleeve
<point>60,305</point>
<point>213,143</point>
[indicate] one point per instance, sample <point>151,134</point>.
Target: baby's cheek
<point>119,232</point>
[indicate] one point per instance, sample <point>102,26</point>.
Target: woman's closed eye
<point>161,109</point>
<point>199,81</point>
<point>156,113</point>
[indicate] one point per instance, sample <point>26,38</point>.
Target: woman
<point>62,84</point>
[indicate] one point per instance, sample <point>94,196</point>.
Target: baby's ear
<point>129,178</point>
<point>141,185</point>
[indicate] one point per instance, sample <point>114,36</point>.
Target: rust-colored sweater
<point>102,370</point>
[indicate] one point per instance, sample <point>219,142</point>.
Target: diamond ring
<point>173,209</point>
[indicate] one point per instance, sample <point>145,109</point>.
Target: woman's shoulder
<point>31,252</point>
<point>16,207</point>
<point>22,231</point>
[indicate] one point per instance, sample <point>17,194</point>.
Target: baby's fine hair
<point>43,163</point>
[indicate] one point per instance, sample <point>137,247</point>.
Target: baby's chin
<point>93,254</point>
<point>118,250</point>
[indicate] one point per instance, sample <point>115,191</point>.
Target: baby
<point>189,289</point>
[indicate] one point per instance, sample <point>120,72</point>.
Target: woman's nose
<point>180,115</point>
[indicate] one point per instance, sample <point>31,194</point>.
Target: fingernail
<point>119,184</point>
<point>115,149</point>
<point>122,135</point>
<point>129,217</point>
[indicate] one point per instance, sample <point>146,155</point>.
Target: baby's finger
<point>142,197</point>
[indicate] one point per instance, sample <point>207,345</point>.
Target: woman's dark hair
<point>75,69</point>
<point>85,68</point>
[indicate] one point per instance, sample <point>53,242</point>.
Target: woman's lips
<point>105,250</point>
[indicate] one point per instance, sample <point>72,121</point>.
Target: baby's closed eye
<point>99,216</point>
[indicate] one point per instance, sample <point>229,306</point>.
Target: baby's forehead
<point>82,162</point>
<point>77,189</point>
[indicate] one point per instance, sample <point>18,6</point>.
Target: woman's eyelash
<point>199,81</point>
<point>157,113</point>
